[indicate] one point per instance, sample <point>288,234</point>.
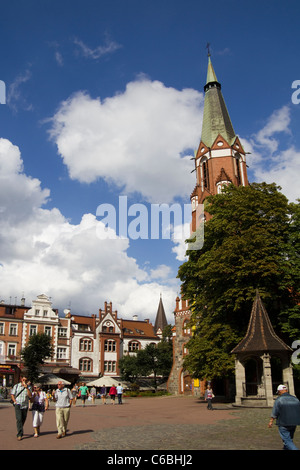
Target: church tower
<point>160,320</point>
<point>219,161</point>
<point>220,158</point>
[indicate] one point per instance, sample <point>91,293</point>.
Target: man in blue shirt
<point>286,411</point>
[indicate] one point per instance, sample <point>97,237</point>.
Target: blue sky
<point>104,99</point>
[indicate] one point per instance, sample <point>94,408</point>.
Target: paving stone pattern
<point>158,423</point>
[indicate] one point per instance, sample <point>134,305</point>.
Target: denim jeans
<point>287,435</point>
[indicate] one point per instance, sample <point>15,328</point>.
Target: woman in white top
<point>40,403</point>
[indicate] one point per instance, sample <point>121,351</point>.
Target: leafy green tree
<point>129,369</point>
<point>156,360</point>
<point>38,349</point>
<point>251,242</point>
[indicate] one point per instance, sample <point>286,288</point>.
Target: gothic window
<point>205,173</point>
<point>238,170</point>
<point>221,185</point>
<point>108,327</point>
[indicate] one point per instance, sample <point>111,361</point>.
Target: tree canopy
<point>152,360</point>
<point>38,348</point>
<point>250,242</point>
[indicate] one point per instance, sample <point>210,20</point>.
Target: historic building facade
<point>84,347</point>
<point>99,342</point>
<point>219,161</point>
<point>18,323</point>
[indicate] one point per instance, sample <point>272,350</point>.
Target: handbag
<point>11,400</point>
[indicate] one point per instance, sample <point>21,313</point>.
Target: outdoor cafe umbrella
<point>52,379</point>
<point>107,381</point>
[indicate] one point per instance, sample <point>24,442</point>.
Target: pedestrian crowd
<point>286,409</point>
<point>26,397</point>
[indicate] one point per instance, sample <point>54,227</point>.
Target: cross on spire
<point>208,49</point>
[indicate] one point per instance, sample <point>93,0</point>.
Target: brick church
<point>220,160</point>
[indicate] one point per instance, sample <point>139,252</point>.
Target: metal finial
<point>208,49</point>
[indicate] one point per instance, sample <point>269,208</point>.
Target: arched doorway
<point>253,376</point>
<point>186,383</point>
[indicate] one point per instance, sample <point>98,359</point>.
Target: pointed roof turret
<point>161,319</point>
<point>211,75</point>
<point>216,119</point>
<point>260,336</point>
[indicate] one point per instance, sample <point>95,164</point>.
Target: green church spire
<point>211,76</point>
<point>216,118</point>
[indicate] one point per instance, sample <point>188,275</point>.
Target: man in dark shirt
<point>286,411</point>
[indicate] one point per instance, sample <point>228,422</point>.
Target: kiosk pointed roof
<point>260,336</point>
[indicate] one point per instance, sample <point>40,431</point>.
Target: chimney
<point>135,318</point>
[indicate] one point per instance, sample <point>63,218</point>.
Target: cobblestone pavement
<point>158,423</point>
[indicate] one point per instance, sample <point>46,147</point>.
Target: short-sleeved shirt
<point>83,390</point>
<point>286,410</point>
<point>63,397</point>
<point>22,399</point>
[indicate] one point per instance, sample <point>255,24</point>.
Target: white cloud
<point>108,48</point>
<point>161,272</point>
<point>180,235</point>
<point>59,58</point>
<point>15,94</point>
<point>42,252</point>
<point>278,122</point>
<point>135,139</point>
<point>267,161</point>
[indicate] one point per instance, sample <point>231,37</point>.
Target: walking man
<point>20,395</point>
<point>119,393</point>
<point>286,411</point>
<point>63,398</point>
